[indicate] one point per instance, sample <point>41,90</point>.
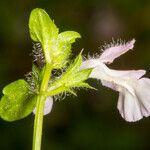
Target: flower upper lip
<point>114,51</point>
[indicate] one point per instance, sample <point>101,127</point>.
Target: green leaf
<point>62,48</point>
<point>68,37</point>
<point>16,103</point>
<point>42,28</point>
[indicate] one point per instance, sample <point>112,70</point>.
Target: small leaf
<point>62,48</point>
<point>16,103</point>
<point>42,28</point>
<point>68,37</point>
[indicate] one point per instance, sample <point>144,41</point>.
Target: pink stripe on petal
<point>111,53</point>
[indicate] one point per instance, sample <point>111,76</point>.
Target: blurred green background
<point>90,121</point>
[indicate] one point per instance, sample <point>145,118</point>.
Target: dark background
<point>90,121</point>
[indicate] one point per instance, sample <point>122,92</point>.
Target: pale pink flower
<point>134,94</point>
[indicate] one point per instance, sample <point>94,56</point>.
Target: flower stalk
<point>38,122</point>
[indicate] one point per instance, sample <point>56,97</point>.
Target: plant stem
<point>38,122</point>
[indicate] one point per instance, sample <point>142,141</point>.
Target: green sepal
<point>59,90</point>
<point>35,70</point>
<point>35,78</point>
<point>72,78</point>
<point>17,102</point>
<point>71,91</point>
<point>74,67</point>
<point>85,85</point>
<point>78,77</point>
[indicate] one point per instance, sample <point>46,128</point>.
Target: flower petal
<point>133,108</point>
<point>129,107</point>
<point>128,73</point>
<point>113,52</point>
<point>90,63</point>
<point>48,106</point>
<point>143,94</point>
<point>93,63</point>
<point>134,95</point>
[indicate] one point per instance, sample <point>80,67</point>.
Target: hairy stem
<point>38,122</point>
